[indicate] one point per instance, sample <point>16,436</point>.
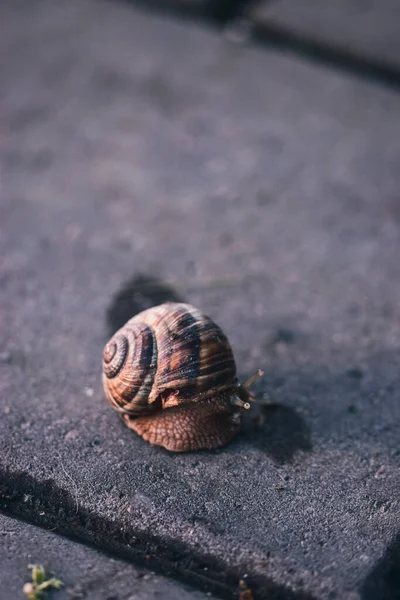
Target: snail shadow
<point>137,294</point>
<point>278,430</point>
<point>383,582</point>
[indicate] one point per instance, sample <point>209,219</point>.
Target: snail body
<point>171,374</point>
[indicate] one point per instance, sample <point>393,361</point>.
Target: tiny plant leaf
<point>38,574</point>
<point>36,590</point>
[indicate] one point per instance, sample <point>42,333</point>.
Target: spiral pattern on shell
<point>114,357</point>
<point>171,348</point>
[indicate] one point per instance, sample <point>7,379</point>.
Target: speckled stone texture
<point>85,573</point>
<point>143,160</point>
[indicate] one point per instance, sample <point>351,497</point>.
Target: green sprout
<point>40,584</point>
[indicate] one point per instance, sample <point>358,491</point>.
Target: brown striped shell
<point>169,348</point>
<point>171,374</point>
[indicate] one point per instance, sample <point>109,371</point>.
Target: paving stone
<point>86,573</point>
<point>366,29</point>
<point>147,159</point>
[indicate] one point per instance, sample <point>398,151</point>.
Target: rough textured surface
<point>367,29</point>
<point>270,202</point>
<point>86,574</point>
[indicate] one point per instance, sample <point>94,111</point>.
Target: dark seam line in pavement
<point>51,507</point>
<point>221,12</point>
<point>326,53</point>
<point>272,35</point>
<point>225,12</point>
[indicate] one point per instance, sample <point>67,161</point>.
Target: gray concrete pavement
<point>259,188</point>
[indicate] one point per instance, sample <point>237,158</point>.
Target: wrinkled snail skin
<point>189,427</point>
<point>171,374</point>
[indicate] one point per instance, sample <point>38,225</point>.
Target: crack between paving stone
<point>328,54</point>
<point>223,14</point>
<point>218,12</point>
<point>46,505</point>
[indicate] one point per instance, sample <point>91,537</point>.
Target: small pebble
<point>239,32</point>
<point>381,472</point>
<point>89,392</point>
<point>71,435</point>
<point>28,589</point>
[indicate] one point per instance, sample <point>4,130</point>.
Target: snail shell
<point>171,374</point>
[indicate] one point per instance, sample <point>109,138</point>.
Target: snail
<point>171,375</point>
